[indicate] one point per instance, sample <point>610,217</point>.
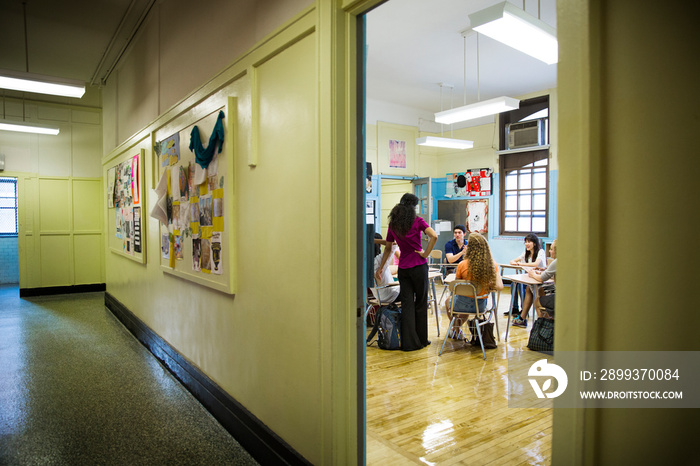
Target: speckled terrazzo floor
<point>77,388</point>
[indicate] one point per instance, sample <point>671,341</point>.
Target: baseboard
<point>51,290</point>
<point>257,439</point>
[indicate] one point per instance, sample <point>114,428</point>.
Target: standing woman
<point>405,228</point>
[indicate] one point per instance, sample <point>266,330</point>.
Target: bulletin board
<point>470,183</point>
<point>194,199</point>
<point>125,201</point>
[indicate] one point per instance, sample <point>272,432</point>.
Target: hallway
<point>77,388</point>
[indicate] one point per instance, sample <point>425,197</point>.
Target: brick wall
<point>9,261</point>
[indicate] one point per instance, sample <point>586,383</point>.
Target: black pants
<point>414,307</point>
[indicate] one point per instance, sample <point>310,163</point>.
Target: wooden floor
<point>452,409</point>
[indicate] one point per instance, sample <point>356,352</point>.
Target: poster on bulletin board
<point>470,183</point>
<point>124,185</point>
<point>195,199</point>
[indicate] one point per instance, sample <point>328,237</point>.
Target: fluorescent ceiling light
<point>29,82</point>
<point>512,26</point>
<point>24,127</point>
<point>447,143</point>
<point>479,109</point>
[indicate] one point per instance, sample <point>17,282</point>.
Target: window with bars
<point>524,193</point>
<point>8,206</point>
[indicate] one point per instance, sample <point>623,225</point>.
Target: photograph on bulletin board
<point>470,183</point>
<point>478,216</point>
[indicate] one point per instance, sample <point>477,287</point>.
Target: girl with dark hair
<point>534,256</point>
<point>405,228</point>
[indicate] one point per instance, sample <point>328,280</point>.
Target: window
<point>524,175</point>
<point>8,206</point>
<point>524,193</point>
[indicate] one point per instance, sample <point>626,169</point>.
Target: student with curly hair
<point>405,228</point>
<point>481,269</point>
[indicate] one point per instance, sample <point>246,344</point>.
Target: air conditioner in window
<point>526,133</point>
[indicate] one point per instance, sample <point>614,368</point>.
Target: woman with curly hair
<point>405,228</point>
<point>479,268</point>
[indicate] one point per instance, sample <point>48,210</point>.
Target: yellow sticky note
<point>218,223</point>
<point>206,232</point>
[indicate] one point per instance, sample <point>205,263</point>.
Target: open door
<point>421,188</point>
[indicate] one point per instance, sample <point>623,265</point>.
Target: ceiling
<point>412,45</point>
<point>75,39</point>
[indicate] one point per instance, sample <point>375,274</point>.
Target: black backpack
<point>388,324</point>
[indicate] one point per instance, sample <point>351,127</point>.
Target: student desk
<point>524,279</point>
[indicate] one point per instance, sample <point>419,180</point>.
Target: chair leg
<point>481,340</point>
<point>446,335</point>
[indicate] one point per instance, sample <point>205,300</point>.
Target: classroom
<point>174,246</point>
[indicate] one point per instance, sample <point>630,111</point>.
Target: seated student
<point>455,249</point>
<point>541,276</point>
<point>546,298</point>
<point>533,256</point>
<point>389,294</point>
<point>481,269</point>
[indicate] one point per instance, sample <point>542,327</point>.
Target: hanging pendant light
<point>478,109</point>
<point>514,27</point>
<point>439,141</point>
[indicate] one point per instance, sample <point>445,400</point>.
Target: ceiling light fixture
<point>514,27</point>
<point>29,82</point>
<point>447,143</point>
<point>439,141</point>
<point>478,109</point>
<point>24,127</point>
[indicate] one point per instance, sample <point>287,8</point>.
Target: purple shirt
<point>409,244</point>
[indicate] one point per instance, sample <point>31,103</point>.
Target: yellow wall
<point>284,344</point>
<point>59,181</point>
<point>628,113</point>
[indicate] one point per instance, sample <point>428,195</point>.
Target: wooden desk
<point>524,279</point>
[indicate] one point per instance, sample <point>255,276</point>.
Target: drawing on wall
<point>137,229</point>
<point>184,185</point>
<point>111,173</point>
<point>205,217</point>
<point>177,247</point>
<point>477,216</point>
<point>135,188</point>
<point>165,245</point>
<point>471,183</point>
<point>196,246</point>
<point>205,255</point>
<point>397,154</point>
<point>170,150</point>
<point>216,259</point>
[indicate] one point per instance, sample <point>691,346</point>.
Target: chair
<point>435,260</point>
<point>489,313</point>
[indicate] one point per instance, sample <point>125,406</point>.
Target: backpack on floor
<point>542,336</point>
<point>388,327</point>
